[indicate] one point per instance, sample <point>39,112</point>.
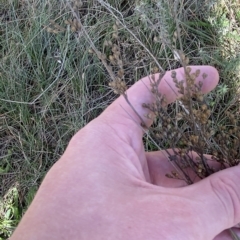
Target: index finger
<point>121,113</point>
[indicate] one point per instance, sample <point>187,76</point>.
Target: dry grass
<point>52,83</point>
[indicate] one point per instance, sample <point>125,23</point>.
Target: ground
<point>53,82</point>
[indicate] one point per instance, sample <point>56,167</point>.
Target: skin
<point>105,186</point>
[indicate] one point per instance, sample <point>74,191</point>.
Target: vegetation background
<point>52,84</point>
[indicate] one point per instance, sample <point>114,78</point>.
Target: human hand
<point>106,187</point>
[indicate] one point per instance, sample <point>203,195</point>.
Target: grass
<point>51,84</point>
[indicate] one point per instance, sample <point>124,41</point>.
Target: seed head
<point>204,107</point>
<point>121,73</point>
<point>204,76</point>
<point>115,28</point>
<point>115,36</point>
<point>173,74</point>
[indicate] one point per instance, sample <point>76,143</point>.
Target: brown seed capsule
<point>204,76</point>
<point>90,50</point>
<point>67,22</point>
<point>193,76</point>
<point>115,28</point>
<point>175,174</point>
<point>120,63</point>
<point>157,135</point>
<point>112,84</point>
<point>172,135</point>
<point>153,77</point>
<point>75,22</point>
<point>50,30</point>
<point>155,70</point>
<point>78,25</point>
<point>113,62</point>
<point>200,98</point>
<point>78,3</point>
<point>173,74</point>
<point>114,48</point>
<point>208,112</point>
<point>198,72</point>
<point>118,79</point>
<point>105,43</point>
<point>189,69</point>
<point>116,56</point>
<point>103,56</point>
<point>115,35</point>
<point>150,116</point>
<point>111,58</point>
<point>118,23</point>
<point>179,116</point>
<point>186,60</point>
<point>195,111</point>
<point>121,73</point>
<point>168,175</point>
<point>204,107</point>
<point>73,28</point>
<point>117,53</point>
<point>123,84</point>
<point>175,34</point>
<point>156,39</point>
<point>145,105</point>
<point>212,132</point>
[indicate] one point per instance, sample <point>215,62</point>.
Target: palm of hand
<point>123,191</point>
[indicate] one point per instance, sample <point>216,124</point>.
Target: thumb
<point>219,201</point>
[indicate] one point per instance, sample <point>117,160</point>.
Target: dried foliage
<point>190,129</point>
<point>60,60</point>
